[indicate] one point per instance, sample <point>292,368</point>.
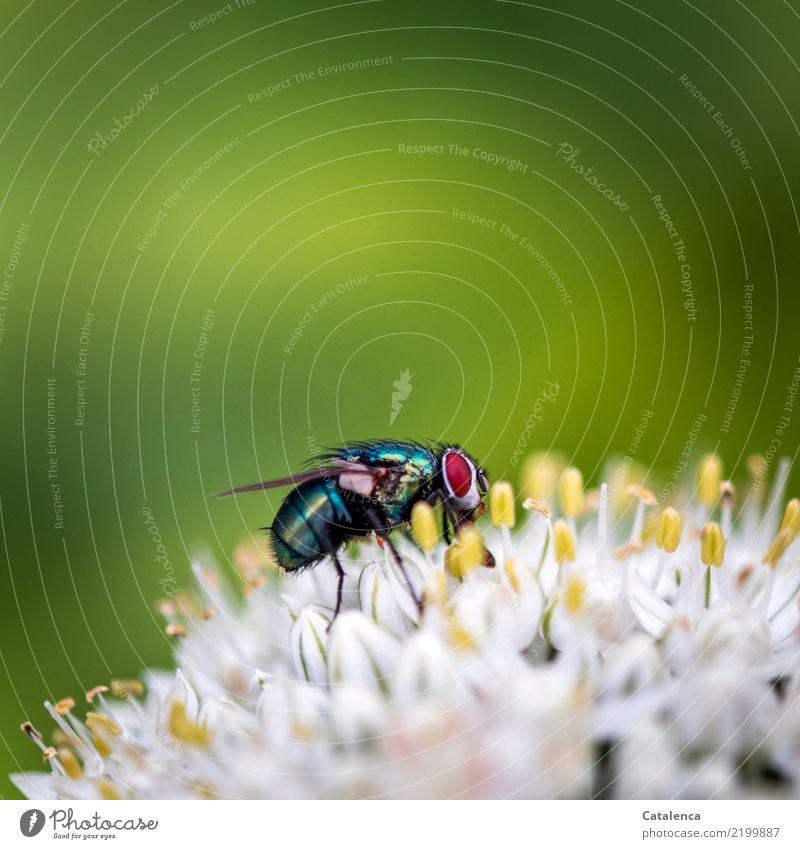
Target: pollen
<point>709,477</point>
<point>534,506</point>
<point>712,545</point>
<point>668,530</point>
<point>643,494</point>
<point>92,694</point>
<point>423,526</point>
<point>563,541</point>
<point>571,491</point>
<point>501,502</point>
<point>64,705</point>
<point>128,687</point>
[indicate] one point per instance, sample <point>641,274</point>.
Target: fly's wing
<point>357,476</point>
<point>390,472</point>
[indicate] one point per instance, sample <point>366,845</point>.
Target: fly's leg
<point>380,529</point>
<point>339,589</point>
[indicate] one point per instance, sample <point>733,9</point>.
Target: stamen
<point>791,517</point>
<point>668,530</point>
<point>563,542</point>
<point>712,545</point>
<point>778,546</point>
<point>575,595</point>
<point>709,476</point>
<point>539,476</point>
<point>646,499</point>
<point>423,526</point>
<point>94,692</point>
<point>501,503</point>
<point>571,492</point>
<point>471,551</point>
<point>727,497</point>
<point>535,506</point>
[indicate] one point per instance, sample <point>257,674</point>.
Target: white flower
<point>623,648</point>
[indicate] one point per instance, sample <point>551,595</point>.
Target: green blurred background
<point>284,149</point>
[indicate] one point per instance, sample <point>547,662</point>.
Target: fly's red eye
<point>458,474</point>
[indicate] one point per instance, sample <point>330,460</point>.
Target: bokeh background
<point>231,235</point>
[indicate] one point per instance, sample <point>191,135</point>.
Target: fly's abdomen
<point>312,523</point>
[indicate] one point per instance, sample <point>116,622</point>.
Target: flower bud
<point>384,599</point>
<point>308,639</point>
<point>571,491</point>
<point>423,526</point>
<point>359,651</point>
<point>563,541</point>
<point>709,477</point>
<point>501,503</point>
<point>712,545</point>
<point>668,530</point>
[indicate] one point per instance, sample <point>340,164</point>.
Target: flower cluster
<point>618,648</point>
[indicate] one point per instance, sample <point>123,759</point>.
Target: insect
<point>370,487</point>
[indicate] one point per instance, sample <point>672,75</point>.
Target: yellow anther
<point>575,595</point>
<point>501,504</point>
<point>423,526</point>
<point>64,705</point>
<point>571,491</point>
<point>781,542</point>
<point>563,541</point>
<point>183,728</point>
<point>668,529</point>
<point>709,477</point>
<point>539,475</point>
<point>791,517</point>
<point>471,552</point>
<point>451,560</point>
<point>712,545</point>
